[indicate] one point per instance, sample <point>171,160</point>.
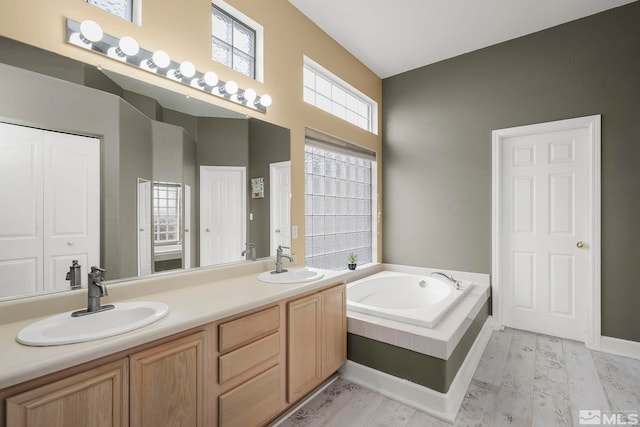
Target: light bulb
<point>231,87</point>
<point>210,78</point>
<point>265,100</point>
<point>91,31</point>
<point>187,69</point>
<point>159,59</point>
<point>127,46</point>
<point>249,95</point>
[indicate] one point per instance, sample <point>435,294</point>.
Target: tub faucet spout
<point>450,278</point>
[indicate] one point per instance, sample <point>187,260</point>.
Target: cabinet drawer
<point>252,403</point>
<point>248,328</point>
<point>241,360</point>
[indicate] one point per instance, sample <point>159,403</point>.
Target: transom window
<point>233,42</point>
<point>121,8</point>
<point>166,213</point>
<point>333,95</point>
<point>340,201</point>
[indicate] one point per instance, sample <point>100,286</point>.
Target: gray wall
<point>223,142</point>
<point>267,144</point>
<point>136,161</point>
<point>437,123</point>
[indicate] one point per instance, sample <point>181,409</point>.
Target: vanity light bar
<point>89,35</point>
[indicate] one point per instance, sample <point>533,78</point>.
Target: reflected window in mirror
<point>166,213</point>
<point>235,40</point>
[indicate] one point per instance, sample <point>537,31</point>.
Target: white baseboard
<point>620,347</point>
<point>444,406</point>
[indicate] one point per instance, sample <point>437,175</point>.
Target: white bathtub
<point>408,298</point>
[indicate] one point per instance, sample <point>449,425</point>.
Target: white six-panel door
<point>223,194</point>
<point>545,270</point>
<point>144,227</point>
<point>280,212</point>
<point>50,211</point>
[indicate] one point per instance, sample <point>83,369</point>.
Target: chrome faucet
<point>455,282</point>
<point>249,252</point>
<point>279,256</point>
<point>96,289</point>
<point>74,276</point>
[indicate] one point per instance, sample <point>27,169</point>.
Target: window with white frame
<point>333,95</point>
<point>121,8</point>
<point>233,42</point>
<point>166,213</point>
<point>340,201</point>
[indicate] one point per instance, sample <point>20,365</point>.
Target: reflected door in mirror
<point>280,193</point>
<point>50,211</point>
<point>223,191</point>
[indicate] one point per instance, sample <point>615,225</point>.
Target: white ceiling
<point>391,37</point>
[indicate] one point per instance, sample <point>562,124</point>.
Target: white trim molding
<point>620,347</point>
<point>444,406</point>
<point>593,125</point>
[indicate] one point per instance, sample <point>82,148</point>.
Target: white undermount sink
<point>65,329</point>
<point>292,275</point>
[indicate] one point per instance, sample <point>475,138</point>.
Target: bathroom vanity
<point>233,351</point>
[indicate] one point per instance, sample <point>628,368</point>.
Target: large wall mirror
<point>111,171</point>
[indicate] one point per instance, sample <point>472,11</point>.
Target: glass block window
<point>233,42</point>
<point>121,8</point>
<point>333,95</point>
<point>166,213</point>
<point>338,208</point>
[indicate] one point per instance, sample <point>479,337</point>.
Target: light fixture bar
<point>159,63</point>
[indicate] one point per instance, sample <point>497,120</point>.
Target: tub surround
<point>194,299</point>
<point>416,366</point>
<point>427,368</point>
<point>439,341</point>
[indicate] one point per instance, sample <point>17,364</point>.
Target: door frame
<point>593,297</point>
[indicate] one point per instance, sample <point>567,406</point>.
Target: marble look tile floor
<point>523,379</point>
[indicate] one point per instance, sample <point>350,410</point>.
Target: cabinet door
<point>334,330</point>
<point>167,383</point>
<point>95,398</point>
<point>253,402</point>
<point>304,346</point>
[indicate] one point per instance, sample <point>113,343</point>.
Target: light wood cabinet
<point>334,330</point>
<point>253,402</point>
<point>167,383</point>
<point>304,345</point>
<point>317,339</point>
<point>251,359</point>
<point>264,361</point>
<point>95,398</point>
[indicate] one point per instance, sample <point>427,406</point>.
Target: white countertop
<point>190,306</point>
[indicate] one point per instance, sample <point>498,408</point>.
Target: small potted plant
<point>353,258</point>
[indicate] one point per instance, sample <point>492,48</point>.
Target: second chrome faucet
<point>96,289</point>
<point>279,256</point>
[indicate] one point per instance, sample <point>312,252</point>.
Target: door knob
<point>142,229</point>
<point>207,230</point>
<point>581,244</point>
<point>277,230</point>
<point>186,230</point>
